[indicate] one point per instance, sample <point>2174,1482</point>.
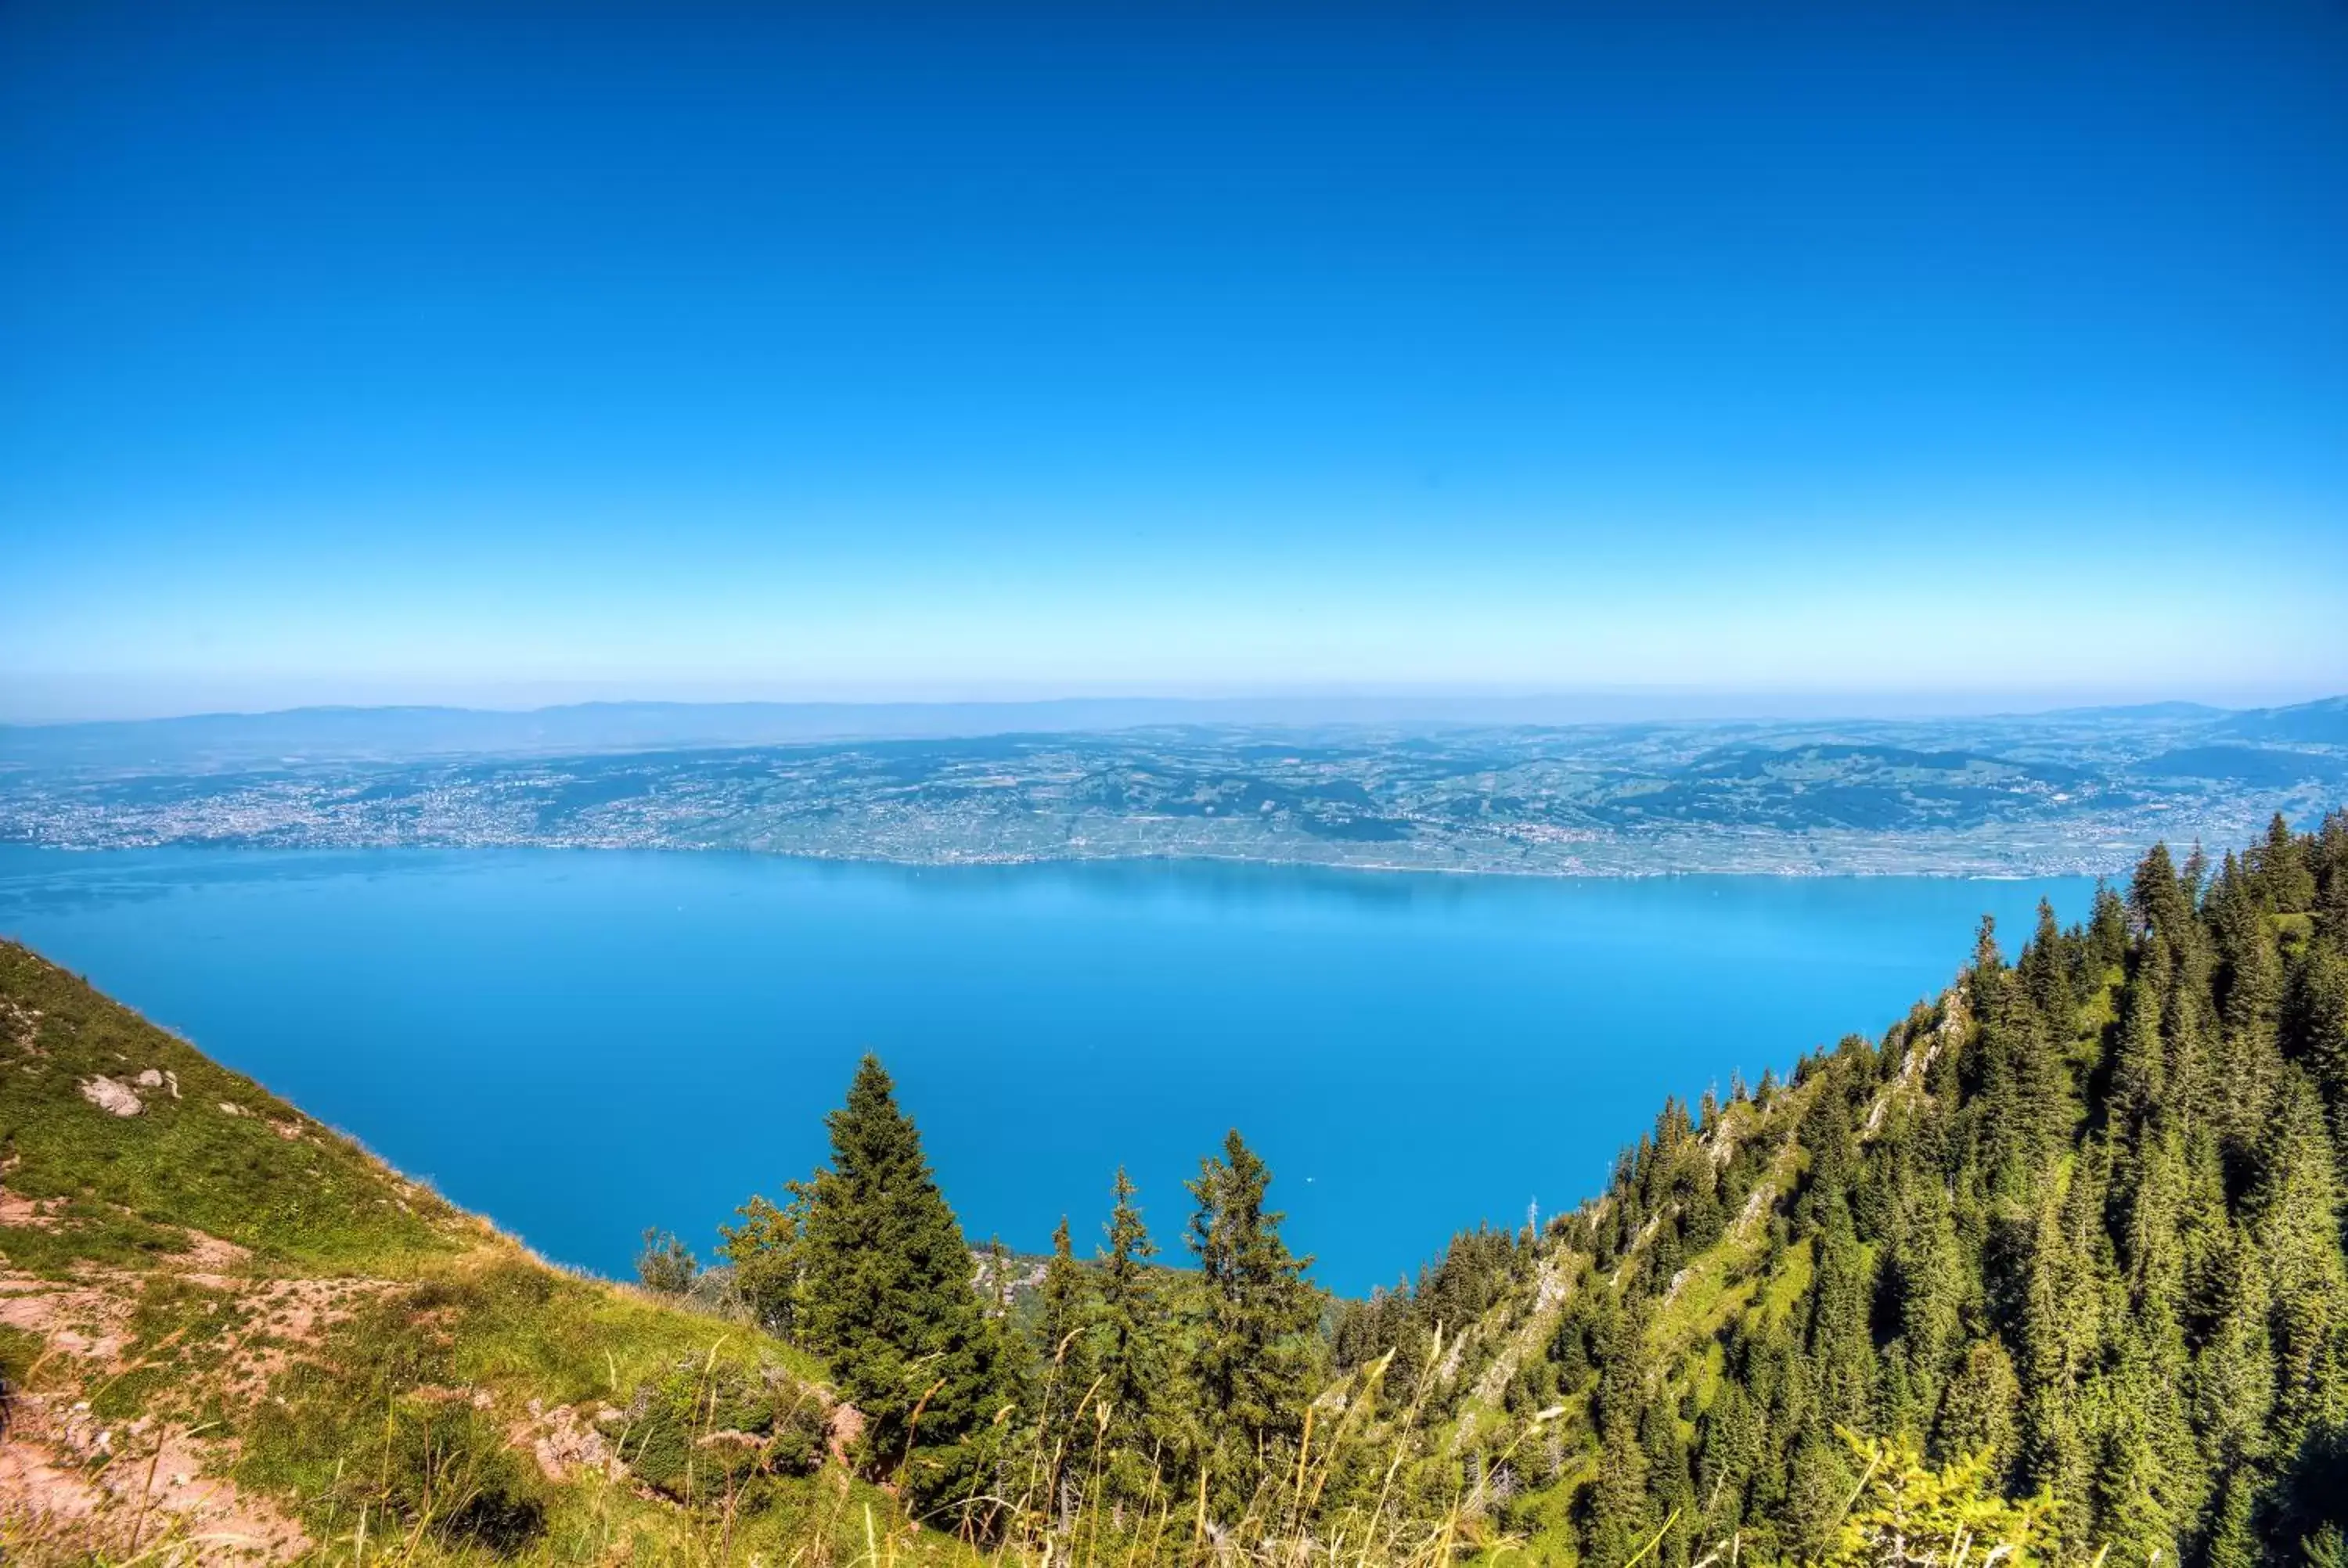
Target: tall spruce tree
<point>2286,879</point>
<point>891,1302</point>
<point>1067,1311</point>
<point>1620,1508</point>
<point>2294,1215</point>
<point>1131,1350</point>
<point>1252,1348</point>
<point>2046,973</point>
<point>2107,932</point>
<point>2156,898</point>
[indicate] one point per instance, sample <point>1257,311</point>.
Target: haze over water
<point>583,1044</point>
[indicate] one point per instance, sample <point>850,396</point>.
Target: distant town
<point>2074,792</point>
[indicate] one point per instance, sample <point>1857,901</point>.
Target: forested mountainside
<point>2081,1216</point>
<point>2054,1271</point>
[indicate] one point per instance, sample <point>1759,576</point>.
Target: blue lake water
<point>584,1043</point>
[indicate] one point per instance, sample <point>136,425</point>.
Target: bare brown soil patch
<point>70,1489</point>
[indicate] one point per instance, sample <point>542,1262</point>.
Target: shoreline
<point>2006,871</point>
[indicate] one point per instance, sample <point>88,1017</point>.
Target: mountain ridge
<point>337,731</point>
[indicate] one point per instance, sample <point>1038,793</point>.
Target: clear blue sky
<point>367,354</point>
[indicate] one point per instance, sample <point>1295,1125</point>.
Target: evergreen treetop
<point>890,1301</point>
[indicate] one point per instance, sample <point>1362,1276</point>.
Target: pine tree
<point>2315,1032</point>
<point>1839,1341</point>
<point>1982,1409</point>
<point>1002,1288</point>
<point>2054,1344</point>
<point>2140,1073</point>
<point>2045,973</point>
<point>1671,1488</point>
<point>1252,1357</point>
<point>2023,1082</point>
<point>2139,1496</point>
<point>2295,1225</point>
<point>890,1301</point>
<point>1130,1354</point>
<point>1066,1317</point>
<point>2157,896</point>
<point>1819,1484</point>
<point>1620,1511</point>
<point>2107,935</point>
<point>1921,1277</point>
<point>2188,1028</point>
<point>2283,869</point>
<point>2328,859</point>
<point>2232,1379</point>
<point>2248,1061</point>
<point>1988,968</point>
<point>2254,980</point>
<point>1734,1448</point>
<point>2233,1539</point>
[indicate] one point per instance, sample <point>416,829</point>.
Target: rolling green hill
<point>227,1332</point>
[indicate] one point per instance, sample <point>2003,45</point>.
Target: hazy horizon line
<point>1390,703</point>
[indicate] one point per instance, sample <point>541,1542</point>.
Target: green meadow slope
<point>228,1332</point>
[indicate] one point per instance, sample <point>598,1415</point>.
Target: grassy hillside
<point>228,1331</point>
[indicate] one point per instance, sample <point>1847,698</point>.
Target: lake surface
<point>583,1043</point>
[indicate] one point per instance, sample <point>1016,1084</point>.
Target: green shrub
<point>705,1428</point>
<point>666,1264</point>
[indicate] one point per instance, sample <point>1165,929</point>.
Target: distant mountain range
<point>1391,784</point>
<point>2323,723</point>
<point>317,734</point>
<point>390,733</point>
